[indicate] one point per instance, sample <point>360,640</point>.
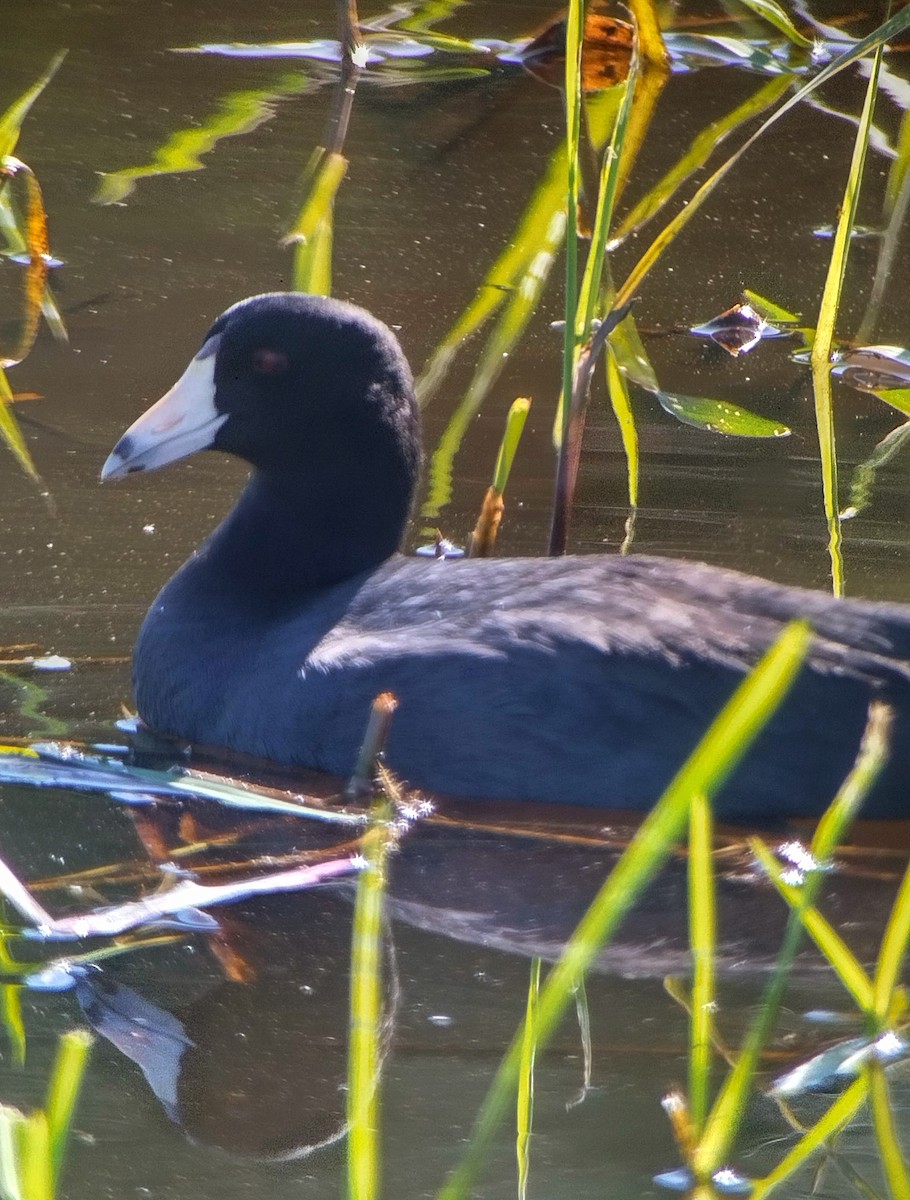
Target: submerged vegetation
<point>611,74</point>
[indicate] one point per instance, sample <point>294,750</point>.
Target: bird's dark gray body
<point>581,680</point>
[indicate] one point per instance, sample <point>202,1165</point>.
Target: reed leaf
<point>716,756</point>
<point>772,12</point>
<point>886,1137</point>
<point>365,1049</point>
<point>63,1092</point>
<point>824,332</point>
<point>525,1113</point>
<point>11,120</point>
<point>841,1112</point>
<point>703,948</point>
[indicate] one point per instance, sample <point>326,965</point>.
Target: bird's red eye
<point>269,362</point>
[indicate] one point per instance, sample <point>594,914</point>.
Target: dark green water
<point>439,174</point>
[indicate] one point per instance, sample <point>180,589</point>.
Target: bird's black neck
<point>288,536</point>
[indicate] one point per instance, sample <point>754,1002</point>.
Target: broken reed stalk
<point>483,539</point>
<point>374,739</point>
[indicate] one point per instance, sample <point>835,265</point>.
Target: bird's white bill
<point>183,421</point>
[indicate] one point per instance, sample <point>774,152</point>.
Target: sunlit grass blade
<point>772,12</point>
<point>311,233</point>
<point>516,267</point>
<point>886,1135</point>
<point>841,1112</point>
<point>894,212</point>
<point>890,29</point>
<point>10,999</point>
<point>824,331</point>
<point>892,954</point>
<point>11,120</point>
<point>647,24</point>
<point>11,1121</point>
<point>713,760</point>
<point>10,431</point>
<point>365,1038</point>
<point>723,1121</point>
<point>700,150</point>
<point>483,538</point>
<point>864,473</point>
<point>603,218</point>
<point>703,948</point>
<point>236,114</point>
<point>63,1092</point>
<point>520,306</point>
<point>625,419</point>
<point>525,1111</point>
<point>848,968</point>
<point>575,20</point>
<point>428,14</point>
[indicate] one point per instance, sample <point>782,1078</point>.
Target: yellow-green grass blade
<point>542,219</point>
<point>891,956</point>
<point>772,12</point>
<point>723,1121</point>
<point>63,1092</point>
<point>890,29</point>
<point>864,473</point>
<point>515,424</point>
<point>647,24</point>
<point>703,948</point>
<point>606,199</point>
<point>886,1136</point>
<point>519,308</point>
<point>824,331</point>
<point>365,1037</point>
<point>311,235</point>
<point>621,404</point>
<point>11,1000</point>
<point>525,1111</point>
<point>36,1165</point>
<point>847,967</point>
<point>11,120</point>
<point>575,21</point>
<point>10,431</point>
<point>237,113</point>
<point>711,763</point>
<point>841,1112</point>
<point>894,212</point>
<point>700,150</point>
<point>11,1120</point>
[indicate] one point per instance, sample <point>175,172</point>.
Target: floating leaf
<point>605,59</point>
<point>719,416</point>
<point>874,368</point>
<point>738,330</point>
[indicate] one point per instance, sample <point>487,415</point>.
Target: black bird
<point>585,680</point>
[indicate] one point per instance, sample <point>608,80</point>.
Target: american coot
<point>585,680</point>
